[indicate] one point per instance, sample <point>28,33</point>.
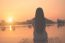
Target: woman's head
<point>39,13</point>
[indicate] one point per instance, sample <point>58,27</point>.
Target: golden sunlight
<point>9,19</point>
<point>10,28</point>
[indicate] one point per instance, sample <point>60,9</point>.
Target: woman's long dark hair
<point>39,14</point>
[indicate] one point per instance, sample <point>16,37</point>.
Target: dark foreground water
<point>25,35</point>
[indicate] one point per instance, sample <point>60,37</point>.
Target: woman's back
<point>39,22</point>
<point>40,35</point>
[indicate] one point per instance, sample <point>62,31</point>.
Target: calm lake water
<point>25,35</point>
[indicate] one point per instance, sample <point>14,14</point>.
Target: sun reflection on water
<point>10,28</point>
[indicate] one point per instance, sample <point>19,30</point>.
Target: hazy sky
<point>25,9</point>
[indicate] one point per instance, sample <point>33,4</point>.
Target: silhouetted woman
<point>40,35</point>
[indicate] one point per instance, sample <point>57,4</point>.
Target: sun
<point>10,19</point>
<point>10,22</point>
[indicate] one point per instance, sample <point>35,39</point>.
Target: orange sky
<point>25,9</point>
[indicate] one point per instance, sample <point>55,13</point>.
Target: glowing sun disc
<point>10,20</point>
